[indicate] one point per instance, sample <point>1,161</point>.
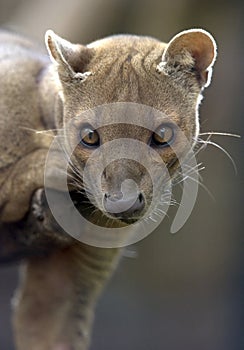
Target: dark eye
<point>163,136</point>
<point>89,137</point>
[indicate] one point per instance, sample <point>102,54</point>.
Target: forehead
<point>127,116</point>
<point>124,71</point>
<point>125,57</point>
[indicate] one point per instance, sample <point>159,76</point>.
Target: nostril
<point>140,197</point>
<point>140,203</point>
<point>113,196</point>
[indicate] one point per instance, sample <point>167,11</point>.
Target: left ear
<point>191,50</point>
<point>71,59</point>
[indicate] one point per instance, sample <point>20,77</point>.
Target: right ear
<point>191,50</point>
<point>71,59</point>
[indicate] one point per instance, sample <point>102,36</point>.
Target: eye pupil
<point>89,137</point>
<point>163,136</point>
<point>162,133</point>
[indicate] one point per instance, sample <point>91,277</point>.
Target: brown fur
<point>54,307</point>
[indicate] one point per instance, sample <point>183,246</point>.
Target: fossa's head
<point>135,70</point>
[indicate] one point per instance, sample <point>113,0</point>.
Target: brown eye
<point>163,136</point>
<point>89,137</point>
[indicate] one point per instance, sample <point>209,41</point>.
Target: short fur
<point>58,292</point>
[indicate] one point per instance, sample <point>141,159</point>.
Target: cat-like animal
<point>62,278</point>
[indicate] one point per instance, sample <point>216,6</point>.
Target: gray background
<point>182,291</point>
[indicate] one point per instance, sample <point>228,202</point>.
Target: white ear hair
<point>66,55</point>
<point>191,49</point>
<point>54,44</point>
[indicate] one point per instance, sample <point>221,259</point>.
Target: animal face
<point>134,97</point>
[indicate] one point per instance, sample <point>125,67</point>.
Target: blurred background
<point>182,291</point>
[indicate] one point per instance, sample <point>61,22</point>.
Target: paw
<point>42,216</point>
<point>40,212</point>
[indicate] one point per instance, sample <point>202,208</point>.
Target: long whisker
<point>222,149</point>
<point>203,186</point>
<point>49,132</point>
<point>202,146</point>
<point>196,169</point>
<point>220,134</point>
<point>192,170</point>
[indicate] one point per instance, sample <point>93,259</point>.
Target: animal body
<point>62,278</point>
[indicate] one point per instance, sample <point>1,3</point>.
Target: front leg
<point>35,235</point>
<point>59,285</point>
<point>57,294</point>
<point>60,281</point>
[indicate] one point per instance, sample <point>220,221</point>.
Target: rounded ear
<point>193,49</point>
<point>71,58</point>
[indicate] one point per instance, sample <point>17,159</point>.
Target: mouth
<point>104,218</point>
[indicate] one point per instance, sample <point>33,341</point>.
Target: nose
<point>124,206</point>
